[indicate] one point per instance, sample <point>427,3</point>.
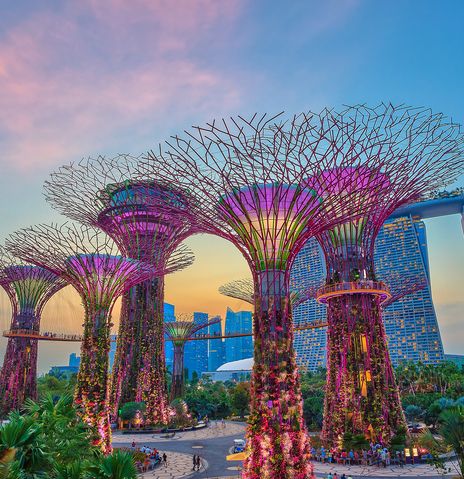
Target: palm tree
<point>118,465</point>
<point>452,431</point>
<point>20,448</point>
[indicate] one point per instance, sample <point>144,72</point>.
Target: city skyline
<point>129,98</point>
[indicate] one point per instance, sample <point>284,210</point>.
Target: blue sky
<point>80,78</point>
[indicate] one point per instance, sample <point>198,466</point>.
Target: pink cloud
<point>73,81</point>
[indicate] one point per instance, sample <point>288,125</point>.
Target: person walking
<point>198,463</point>
<point>165,460</point>
<point>194,462</point>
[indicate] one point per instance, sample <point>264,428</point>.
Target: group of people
<point>196,463</point>
<point>152,458</point>
<point>376,455</point>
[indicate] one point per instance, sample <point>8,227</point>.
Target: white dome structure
<point>232,371</point>
<point>243,365</point>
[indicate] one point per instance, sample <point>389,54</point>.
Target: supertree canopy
<point>89,261</point>
<point>401,153</point>
<point>145,218</point>
<point>243,289</point>
<point>247,178</point>
<point>28,288</point>
<point>179,332</point>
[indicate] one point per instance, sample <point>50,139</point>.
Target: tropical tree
<point>452,431</point>
<point>118,465</point>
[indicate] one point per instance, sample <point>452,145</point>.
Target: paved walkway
<point>419,470</point>
<point>213,430</point>
<point>178,466</point>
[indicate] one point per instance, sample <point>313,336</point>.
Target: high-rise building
<point>411,323</point>
<point>240,347</point>
<point>216,347</point>
<point>169,317</point>
<point>309,269</point>
<point>196,352</point>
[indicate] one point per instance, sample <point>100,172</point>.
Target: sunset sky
<point>87,77</point>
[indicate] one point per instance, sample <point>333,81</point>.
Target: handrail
<point>378,288</point>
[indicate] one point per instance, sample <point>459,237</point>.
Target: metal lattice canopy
<point>247,178</point>
<point>28,287</point>
<point>144,216</point>
<point>85,257</point>
<point>244,290</point>
<point>181,330</point>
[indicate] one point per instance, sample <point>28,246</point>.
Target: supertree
<point>402,153</point>
<point>179,332</point>
<point>145,219</point>
<point>28,288</point>
<point>90,261</point>
<point>247,178</point>
<point>243,289</point>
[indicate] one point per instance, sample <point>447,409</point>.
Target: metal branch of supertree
<point>403,153</point>
<point>179,332</point>
<point>247,177</point>
<point>146,218</point>
<point>29,288</point>
<point>243,289</point>
<point>90,261</point>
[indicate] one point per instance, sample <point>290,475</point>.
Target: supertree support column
<point>402,153</point>
<point>89,261</point>
<point>247,178</point>
<point>179,332</point>
<point>28,288</point>
<point>146,220</point>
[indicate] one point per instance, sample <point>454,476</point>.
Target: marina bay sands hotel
<point>401,258</point>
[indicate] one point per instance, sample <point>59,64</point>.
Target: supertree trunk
<point>139,372</point>
<point>277,442</point>
<point>361,393</point>
<point>177,386</point>
<point>91,390</point>
<point>151,379</point>
<point>18,377</point>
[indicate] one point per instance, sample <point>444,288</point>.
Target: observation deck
<point>440,204</point>
<point>376,288</point>
<point>27,333</point>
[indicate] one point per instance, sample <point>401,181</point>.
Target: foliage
<point>452,431</point>
<point>49,441</point>
<point>129,410</point>
<point>354,442</point>
<point>208,398</point>
<point>240,398</point>
<point>56,386</point>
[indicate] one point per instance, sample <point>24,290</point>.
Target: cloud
<point>76,79</point>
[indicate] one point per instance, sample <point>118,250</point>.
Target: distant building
<point>216,348</point>
<point>457,359</point>
<point>69,370</point>
<point>112,351</point>
<point>240,347</point>
<point>233,371</point>
<point>196,352</point>
<point>169,317</point>
<point>410,323</point>
<point>309,269</point>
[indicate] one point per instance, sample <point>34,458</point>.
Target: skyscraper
<point>216,348</point>
<point>241,347</point>
<point>309,268</point>
<point>196,352</point>
<point>411,323</point>
<point>168,347</point>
